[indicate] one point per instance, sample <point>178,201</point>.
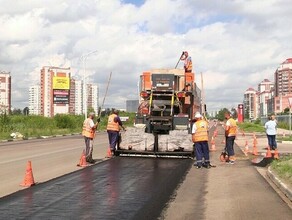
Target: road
<point>50,158</point>
<point>129,188</point>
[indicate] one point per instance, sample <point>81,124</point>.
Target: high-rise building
<point>283,85</point>
<point>251,103</point>
<point>55,86</point>
<point>34,100</point>
<point>265,89</point>
<point>93,97</point>
<point>5,92</point>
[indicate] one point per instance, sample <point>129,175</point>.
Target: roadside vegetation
<point>37,126</point>
<point>283,168</point>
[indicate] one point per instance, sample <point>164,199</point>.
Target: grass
<point>37,126</point>
<point>287,138</point>
<point>251,127</point>
<point>283,168</point>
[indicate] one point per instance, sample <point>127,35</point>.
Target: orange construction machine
<point>168,100</point>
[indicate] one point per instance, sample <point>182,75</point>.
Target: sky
<point>235,44</point>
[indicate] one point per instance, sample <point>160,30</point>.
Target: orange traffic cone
<point>255,150</point>
<point>109,153</point>
<point>246,148</point>
<point>28,178</point>
<point>255,141</point>
<point>215,133</point>
<point>268,154</point>
<point>276,155</point>
<point>213,147</point>
<point>82,161</point>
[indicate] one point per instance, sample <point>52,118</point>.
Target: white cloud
<point>236,44</point>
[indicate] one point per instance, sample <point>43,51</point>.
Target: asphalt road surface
<point>119,188</point>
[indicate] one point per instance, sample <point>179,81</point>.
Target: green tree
<point>16,111</point>
<point>220,114</point>
<point>234,113</point>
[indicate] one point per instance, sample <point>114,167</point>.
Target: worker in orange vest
<point>230,134</point>
<point>88,133</point>
<point>188,65</point>
<point>200,139</point>
<point>113,129</point>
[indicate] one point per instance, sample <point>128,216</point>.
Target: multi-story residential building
<point>283,85</point>
<point>251,103</point>
<point>5,92</point>
<point>55,86</point>
<point>34,100</point>
<point>265,89</point>
<point>93,97</point>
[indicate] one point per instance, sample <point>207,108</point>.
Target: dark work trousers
<point>113,138</point>
<point>229,146</point>
<point>202,152</point>
<point>88,148</point>
<point>272,141</point>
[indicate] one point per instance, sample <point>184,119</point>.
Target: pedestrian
<point>230,134</point>
<point>113,130</point>
<point>200,139</point>
<point>88,133</point>
<point>188,65</point>
<point>271,131</point>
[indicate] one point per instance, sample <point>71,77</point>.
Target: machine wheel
<point>223,157</point>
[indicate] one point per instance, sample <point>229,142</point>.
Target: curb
<point>282,186</point>
<point>40,137</point>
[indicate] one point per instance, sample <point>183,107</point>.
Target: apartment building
<point>93,96</point>
<point>55,86</point>
<point>251,103</point>
<point>265,89</point>
<point>5,92</point>
<point>34,100</point>
<point>283,85</point>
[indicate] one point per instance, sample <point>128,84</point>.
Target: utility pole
<point>290,105</point>
<point>202,95</point>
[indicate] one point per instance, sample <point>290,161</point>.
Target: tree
<point>220,115</point>
<point>16,111</point>
<point>25,111</point>
<point>286,111</point>
<point>234,113</point>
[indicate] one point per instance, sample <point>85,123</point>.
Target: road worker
<point>230,134</point>
<point>200,138</point>
<point>88,133</point>
<point>113,130</point>
<point>188,65</point>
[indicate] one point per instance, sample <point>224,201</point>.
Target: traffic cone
<point>276,154</point>
<point>109,153</point>
<point>82,161</point>
<point>246,148</point>
<point>255,150</point>
<point>213,147</point>
<point>268,154</point>
<point>215,133</point>
<point>28,178</point>
<point>255,141</point>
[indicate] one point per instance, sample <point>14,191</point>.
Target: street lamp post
<point>84,58</point>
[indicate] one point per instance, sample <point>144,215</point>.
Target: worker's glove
<point>98,120</point>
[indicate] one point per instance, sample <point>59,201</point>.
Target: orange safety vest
<point>201,133</point>
<point>111,124</point>
<point>87,131</point>
<point>232,128</point>
<point>188,64</point>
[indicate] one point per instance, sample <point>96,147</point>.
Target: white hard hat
<point>198,115</point>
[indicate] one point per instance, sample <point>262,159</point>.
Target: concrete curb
<point>41,137</point>
<point>282,186</point>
